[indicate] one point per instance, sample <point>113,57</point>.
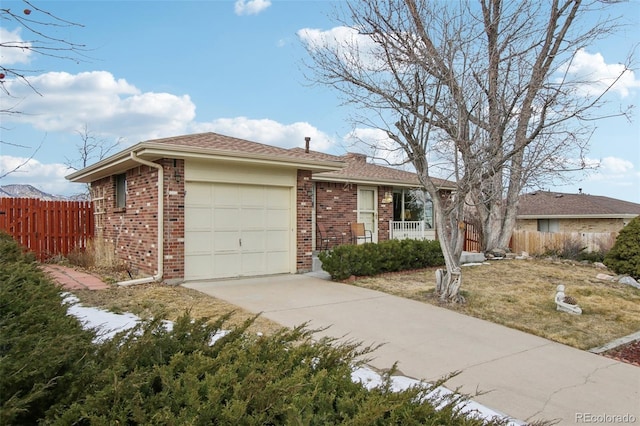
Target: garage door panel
<point>225,265</point>
<point>226,218</point>
<point>198,217</point>
<point>278,197</point>
<point>253,218</point>
<point>226,241</point>
<point>254,263</point>
<point>200,194</point>
<point>235,229</point>
<point>253,196</point>
<point>200,266</point>
<point>277,262</point>
<point>225,194</point>
<point>277,219</point>
<point>199,242</point>
<point>253,240</point>
<point>276,240</point>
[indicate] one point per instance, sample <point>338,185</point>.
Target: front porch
<point>414,229</point>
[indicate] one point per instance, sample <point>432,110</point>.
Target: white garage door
<point>236,230</point>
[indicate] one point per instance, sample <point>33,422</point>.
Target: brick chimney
<point>356,157</point>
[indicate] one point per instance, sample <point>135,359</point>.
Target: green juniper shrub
<point>45,354</point>
<point>624,256</point>
<point>286,378</point>
<point>591,256</point>
<point>386,256</point>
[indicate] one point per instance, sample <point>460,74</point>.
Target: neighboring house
<point>546,211</point>
<point>209,206</point>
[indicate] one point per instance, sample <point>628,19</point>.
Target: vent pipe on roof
<point>307,139</point>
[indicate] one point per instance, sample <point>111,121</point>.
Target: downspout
<point>160,243</point>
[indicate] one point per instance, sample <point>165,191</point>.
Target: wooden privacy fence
<point>537,243</point>
<point>47,228</point>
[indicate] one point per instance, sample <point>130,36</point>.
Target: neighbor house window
<point>121,191</point>
<point>548,225</point>
<point>412,205</point>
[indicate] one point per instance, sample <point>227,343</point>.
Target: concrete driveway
<point>524,376</point>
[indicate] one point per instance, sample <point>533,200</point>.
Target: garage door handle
<point>240,241</point>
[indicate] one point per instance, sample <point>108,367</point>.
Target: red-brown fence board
<point>47,228</point>
<point>471,238</point>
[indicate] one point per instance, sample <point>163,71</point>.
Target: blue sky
<point>163,68</point>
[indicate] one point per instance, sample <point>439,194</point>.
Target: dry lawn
<point>520,294</point>
<point>516,293</point>
<point>169,302</point>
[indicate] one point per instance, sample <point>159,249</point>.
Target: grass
<point>520,294</point>
<point>170,302</point>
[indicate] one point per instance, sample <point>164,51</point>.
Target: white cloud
<point>355,49</point>
<point>268,132</point>
<point>250,7</point>
<point>612,173</point>
<point>595,75</point>
<point>107,105</point>
<point>13,50</point>
<point>46,177</point>
<point>614,165</point>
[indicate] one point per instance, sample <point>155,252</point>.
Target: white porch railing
<point>415,230</point>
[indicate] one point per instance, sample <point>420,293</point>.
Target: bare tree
<point>90,150</point>
<point>482,90</point>
<point>39,27</point>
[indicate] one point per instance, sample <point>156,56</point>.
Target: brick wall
<point>385,213</point>
<point>133,230</point>
<point>576,225</point>
<point>337,204</point>
<point>304,219</point>
<point>173,218</point>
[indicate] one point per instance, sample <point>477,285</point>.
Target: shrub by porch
<point>386,256</point>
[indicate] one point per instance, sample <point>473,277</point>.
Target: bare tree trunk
<point>451,237</point>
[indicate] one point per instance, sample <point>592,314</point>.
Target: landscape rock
<point>604,277</point>
<point>627,280</point>
<point>496,254</point>
<point>599,265</point>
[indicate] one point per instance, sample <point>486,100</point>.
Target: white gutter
<point>160,243</point>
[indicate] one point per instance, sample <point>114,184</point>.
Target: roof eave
<point>153,151</point>
<point>156,151</point>
<point>377,182</point>
<point>578,216</point>
<point>103,168</point>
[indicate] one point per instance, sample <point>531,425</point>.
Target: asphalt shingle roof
<point>546,203</point>
<point>217,142</point>
<point>357,168</point>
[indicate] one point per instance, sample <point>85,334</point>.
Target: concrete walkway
<point>526,377</point>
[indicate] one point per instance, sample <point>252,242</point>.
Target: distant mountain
<point>29,191</point>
